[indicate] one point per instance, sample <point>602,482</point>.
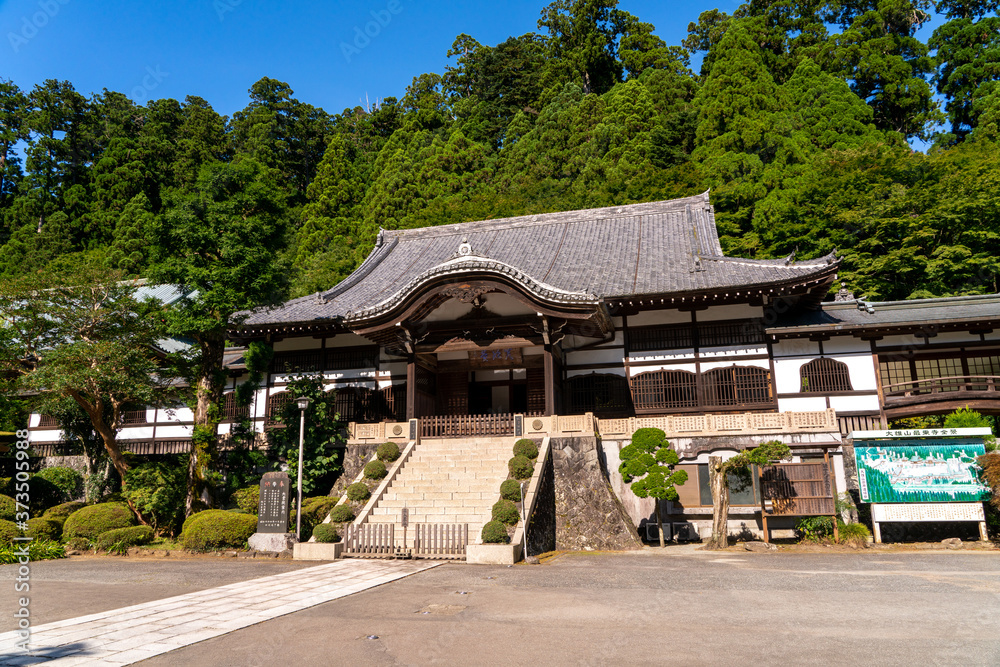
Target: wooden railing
<point>131,417</point>
<point>941,385</point>
<point>370,540</point>
<point>440,540</point>
<point>451,426</point>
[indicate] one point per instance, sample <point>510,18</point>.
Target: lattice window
<point>132,415</point>
<point>47,421</point>
<point>354,357</point>
<point>824,376</point>
<point>737,385</point>
<point>664,390</point>
<point>394,402</point>
<point>603,394</point>
<point>230,411</point>
<point>298,362</point>
<point>989,366</point>
<point>894,372</point>
<point>275,406</point>
<point>671,337</point>
<point>725,334</point>
<point>536,390</point>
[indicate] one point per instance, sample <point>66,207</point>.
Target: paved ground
<point>676,606</point>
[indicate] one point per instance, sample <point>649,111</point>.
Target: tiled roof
<point>657,248</point>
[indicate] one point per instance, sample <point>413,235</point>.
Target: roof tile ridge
<point>367,266</point>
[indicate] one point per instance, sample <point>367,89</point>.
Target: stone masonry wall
<point>355,457</point>
<point>542,527</point>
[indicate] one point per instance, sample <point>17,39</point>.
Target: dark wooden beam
<point>411,387</point>
<point>550,381</point>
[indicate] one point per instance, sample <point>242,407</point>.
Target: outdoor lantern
<point>303,403</point>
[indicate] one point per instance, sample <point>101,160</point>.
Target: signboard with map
<point>920,472</point>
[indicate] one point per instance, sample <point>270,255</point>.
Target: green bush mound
<point>520,467</point>
<point>130,537</point>
<point>43,494</point>
<point>375,470</point>
<point>8,531</point>
<point>495,532</point>
<point>61,512</point>
<point>388,452</point>
<point>510,489</point>
<point>248,498</point>
<point>526,448</point>
<point>326,533</point>
<point>506,512</point>
<point>156,489</point>
<point>68,481</point>
<point>7,508</point>
<point>78,544</point>
<point>358,492</point>
<point>342,514</point>
<point>42,528</point>
<point>6,485</point>
<point>93,520</point>
<point>218,529</point>
<point>187,521</point>
<point>314,511</point>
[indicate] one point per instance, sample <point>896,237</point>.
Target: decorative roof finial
<point>844,294</point>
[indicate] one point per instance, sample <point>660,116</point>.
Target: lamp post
<point>303,403</point>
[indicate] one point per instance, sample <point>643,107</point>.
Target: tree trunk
<point>659,521</point>
<point>717,480</point>
<point>204,450</point>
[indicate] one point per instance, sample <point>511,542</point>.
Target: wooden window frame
<point>824,376</point>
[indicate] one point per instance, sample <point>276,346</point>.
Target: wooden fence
<point>370,540</point>
<point>798,489</point>
<point>440,540</point>
<point>450,426</point>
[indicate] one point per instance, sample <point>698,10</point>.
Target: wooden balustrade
<point>939,385</point>
<point>450,426</point>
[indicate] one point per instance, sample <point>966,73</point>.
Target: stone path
<point>127,635</point>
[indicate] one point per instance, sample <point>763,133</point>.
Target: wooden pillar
<point>411,387</point>
<point>550,381</point>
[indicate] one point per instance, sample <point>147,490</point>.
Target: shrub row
<point>217,529</point>
<point>91,521</point>
<point>128,537</point>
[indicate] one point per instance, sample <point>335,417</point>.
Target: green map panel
<point>941,473</point>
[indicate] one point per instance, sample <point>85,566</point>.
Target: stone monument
<point>272,515</point>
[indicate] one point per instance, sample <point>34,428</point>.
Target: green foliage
<point>966,418</point>
<point>375,470</point>
<point>248,498</point>
<point>647,464</point>
<point>8,507</point>
<point>326,533</point>
<point>737,468</point>
<point>8,531</point>
<point>358,492</point>
<point>157,491</point>
<point>510,489</point>
<point>814,528</point>
<point>990,463</point>
<point>387,452</point>
<point>42,528</point>
<point>93,520</point>
<point>494,532</point>
<point>68,481</point>
<point>527,448</point>
<point>342,514</point>
<point>129,537</point>
<point>855,534</point>
<point>78,544</point>
<point>217,529</point>
<point>61,512</point>
<point>520,467</point>
<point>314,511</point>
<point>37,550</point>
<point>43,494</point>
<point>505,511</point>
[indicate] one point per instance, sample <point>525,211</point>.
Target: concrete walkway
<point>127,635</point>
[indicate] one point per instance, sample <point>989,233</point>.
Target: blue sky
<point>217,48</point>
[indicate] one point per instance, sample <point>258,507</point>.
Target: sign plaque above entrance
<point>505,357</point>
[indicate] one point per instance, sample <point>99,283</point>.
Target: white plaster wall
<point>739,311</point>
<point>176,414</point>
<point>759,363</point>
<point>804,404</point>
<point>665,316</point>
<point>635,370</point>
<point>854,403</point>
<point>137,433</point>
<point>846,345</point>
<point>795,347</point>
<point>602,371</point>
<point>862,371</point>
<point>176,431</point>
<point>672,355</point>
<point>732,351</point>
<point>44,436</point>
<point>787,375</point>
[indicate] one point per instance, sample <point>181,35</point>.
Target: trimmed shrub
<point>375,470</point>
<point>68,481</point>
<point>506,512</point>
<point>510,489</point>
<point>157,491</point>
<point>248,498</point>
<point>526,448</point>
<point>8,531</point>
<point>130,537</point>
<point>814,528</point>
<point>388,452</point>
<point>520,467</point>
<point>41,528</point>
<point>326,533</point>
<point>7,508</point>
<point>43,494</point>
<point>314,511</point>
<point>495,532</point>
<point>93,520</point>
<point>342,514</point>
<point>358,492</point>
<point>854,534</point>
<point>218,529</point>
<point>78,544</point>
<point>61,512</point>
<point>6,485</point>
<point>187,521</point>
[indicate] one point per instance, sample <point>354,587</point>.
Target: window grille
<point>724,334</point>
<point>825,375</point>
<point>665,389</point>
<point>232,412</point>
<point>737,385</point>
<point>275,406</point>
<point>603,394</point>
<point>670,337</point>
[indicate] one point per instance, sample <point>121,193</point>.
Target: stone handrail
<point>531,495</point>
<point>725,424</point>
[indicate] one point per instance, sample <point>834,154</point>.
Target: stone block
<point>272,542</point>
<point>318,551</point>
<point>493,554</point>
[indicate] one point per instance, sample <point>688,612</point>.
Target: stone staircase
<point>453,480</point>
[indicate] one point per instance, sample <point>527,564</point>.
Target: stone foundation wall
<point>355,458</point>
<point>541,535</point>
<point>588,515</point>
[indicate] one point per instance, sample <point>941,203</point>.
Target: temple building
<point>583,326</point>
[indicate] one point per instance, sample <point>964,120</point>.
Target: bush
<point>520,467</point>
<point>37,550</point>
<point>506,512</point>
<point>814,528</point>
<point>6,485</point>
<point>248,498</point>
<point>8,531</point>
<point>61,512</point>
<point>68,481</point>
<point>7,508</point>
<point>526,448</point>
<point>855,534</point>
<point>218,529</point>
<point>78,544</point>
<point>43,494</point>
<point>187,521</point>
<point>157,491</point>
<point>510,489</point>
<point>358,492</point>
<point>495,532</point>
<point>342,514</point>
<point>41,528</point>
<point>130,537</point>
<point>388,452</point>
<point>93,520</point>
<point>314,511</point>
<point>326,533</point>
<point>375,470</point>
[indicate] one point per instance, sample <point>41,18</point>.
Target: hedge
<point>510,489</point>
<point>61,512</point>
<point>8,531</point>
<point>42,528</point>
<point>7,508</point>
<point>495,532</point>
<point>520,467</point>
<point>341,514</point>
<point>43,494</point>
<point>358,492</point>
<point>388,452</point>
<point>527,448</point>
<point>375,470</point>
<point>314,511</point>
<point>248,498</point>
<point>218,529</point>
<point>93,520</point>
<point>326,533</point>
<point>68,481</point>
<point>132,536</point>
<point>506,512</point>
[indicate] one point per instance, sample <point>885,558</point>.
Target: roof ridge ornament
<point>464,249</point>
<point>380,239</point>
<point>844,294</point>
